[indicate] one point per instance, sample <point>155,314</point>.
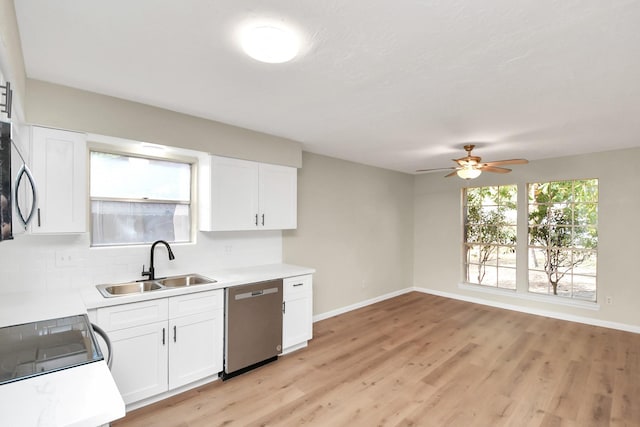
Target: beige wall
<point>11,60</point>
<point>355,226</point>
<point>63,107</point>
<point>438,232</point>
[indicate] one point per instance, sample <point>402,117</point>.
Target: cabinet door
<point>59,166</point>
<point>297,321</point>
<point>297,318</point>
<point>278,197</point>
<point>234,194</point>
<point>140,360</point>
<point>196,347</point>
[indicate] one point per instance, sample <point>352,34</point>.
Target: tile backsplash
<point>31,262</point>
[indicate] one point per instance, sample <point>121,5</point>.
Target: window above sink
<point>137,199</point>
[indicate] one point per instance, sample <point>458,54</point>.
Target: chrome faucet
<point>151,272</point>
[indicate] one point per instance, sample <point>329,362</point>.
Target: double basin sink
<point>140,287</point>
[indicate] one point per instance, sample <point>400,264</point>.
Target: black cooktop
<point>38,348</point>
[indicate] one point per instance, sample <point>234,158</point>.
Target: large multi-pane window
<point>563,238</point>
<point>490,228</point>
<point>136,200</point>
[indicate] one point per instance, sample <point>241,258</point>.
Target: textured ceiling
<point>396,84</point>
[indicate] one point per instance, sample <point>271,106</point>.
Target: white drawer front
<point>297,285</point>
<point>199,302</point>
<point>130,315</point>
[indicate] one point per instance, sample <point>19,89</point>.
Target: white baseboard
<point>360,304</point>
<point>538,312</point>
<point>158,397</point>
<point>528,310</point>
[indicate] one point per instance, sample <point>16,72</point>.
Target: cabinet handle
<point>162,336</point>
<point>256,220</point>
<point>262,219</point>
<point>174,333</point>
<point>38,217</point>
<point>298,284</point>
<point>284,307</point>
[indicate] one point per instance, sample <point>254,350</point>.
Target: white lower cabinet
<point>139,364</point>
<point>163,344</point>
<point>196,347</point>
<point>297,320</point>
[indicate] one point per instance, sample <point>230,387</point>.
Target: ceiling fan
<point>470,167</point>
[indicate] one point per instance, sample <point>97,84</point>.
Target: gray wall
<point>67,108</point>
<point>355,226</point>
<point>11,60</point>
<point>438,231</point>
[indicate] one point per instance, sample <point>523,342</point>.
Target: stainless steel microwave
<point>6,205</point>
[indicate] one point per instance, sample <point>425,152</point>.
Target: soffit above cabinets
<point>400,85</point>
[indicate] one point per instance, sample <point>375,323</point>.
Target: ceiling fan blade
<point>507,162</point>
<point>434,170</point>
<point>451,174</point>
<point>494,169</point>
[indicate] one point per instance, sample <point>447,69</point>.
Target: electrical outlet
<point>66,259</point>
<point>609,300</point>
<point>228,248</point>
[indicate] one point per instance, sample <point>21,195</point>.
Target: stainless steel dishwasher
<point>253,326</point>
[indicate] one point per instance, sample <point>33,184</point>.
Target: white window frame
<point>466,246</point>
<point>522,262</point>
<point>572,226</point>
<point>151,152</point>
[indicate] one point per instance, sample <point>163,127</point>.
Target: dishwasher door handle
<point>254,294</point>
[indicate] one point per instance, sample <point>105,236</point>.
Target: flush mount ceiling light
<point>268,43</point>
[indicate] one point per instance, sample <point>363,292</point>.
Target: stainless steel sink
<point>128,288</point>
<point>185,280</point>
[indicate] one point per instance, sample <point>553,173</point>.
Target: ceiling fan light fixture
<point>468,172</point>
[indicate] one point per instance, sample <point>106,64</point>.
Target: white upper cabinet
<point>244,195</point>
<point>278,196</point>
<point>59,166</point>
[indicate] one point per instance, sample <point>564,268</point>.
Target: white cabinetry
<point>139,364</point>
<point>297,321</point>
<point>59,166</point>
<point>278,195</point>
<point>163,344</point>
<point>196,329</point>
<point>244,195</point>
<point>138,334</point>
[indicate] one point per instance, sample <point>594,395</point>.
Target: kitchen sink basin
<point>185,280</point>
<point>128,288</point>
<point>131,288</point>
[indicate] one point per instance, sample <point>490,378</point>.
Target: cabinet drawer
<point>297,285</point>
<point>199,302</point>
<point>135,314</point>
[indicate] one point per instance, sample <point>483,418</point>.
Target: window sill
<point>547,299</point>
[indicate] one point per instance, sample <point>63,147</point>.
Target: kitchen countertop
<point>225,278</point>
<point>80,396</point>
<point>24,307</point>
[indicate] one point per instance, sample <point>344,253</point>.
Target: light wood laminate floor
<point>423,360</point>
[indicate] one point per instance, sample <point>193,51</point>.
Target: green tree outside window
<point>563,237</point>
